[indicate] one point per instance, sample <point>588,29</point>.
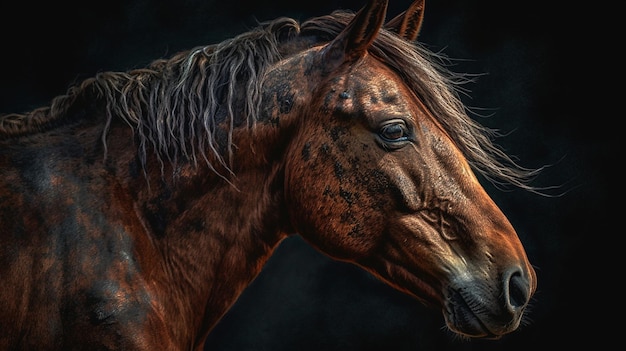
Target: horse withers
<point>138,206</point>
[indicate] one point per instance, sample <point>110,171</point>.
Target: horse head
<point>374,177</point>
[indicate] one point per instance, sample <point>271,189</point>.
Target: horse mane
<point>176,104</point>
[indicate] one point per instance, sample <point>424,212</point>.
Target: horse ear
<point>407,24</point>
<point>352,43</point>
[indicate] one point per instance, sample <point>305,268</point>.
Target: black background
<point>540,86</point>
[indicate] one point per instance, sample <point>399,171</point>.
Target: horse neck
<point>212,236</point>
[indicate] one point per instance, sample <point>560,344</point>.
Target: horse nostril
<point>518,290</point>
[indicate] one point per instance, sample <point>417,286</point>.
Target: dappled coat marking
<point>137,207</point>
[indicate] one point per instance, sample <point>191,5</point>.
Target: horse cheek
<point>330,202</point>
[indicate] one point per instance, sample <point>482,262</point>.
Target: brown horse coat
<point>137,207</point>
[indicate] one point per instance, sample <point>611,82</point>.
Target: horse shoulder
<point>72,249</point>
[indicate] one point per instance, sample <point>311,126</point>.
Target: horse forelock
<point>177,104</point>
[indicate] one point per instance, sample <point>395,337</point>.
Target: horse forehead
<point>372,77</point>
<point>373,88</point>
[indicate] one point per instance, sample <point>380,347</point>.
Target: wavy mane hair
<point>175,104</point>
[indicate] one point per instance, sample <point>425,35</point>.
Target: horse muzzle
<point>477,309</point>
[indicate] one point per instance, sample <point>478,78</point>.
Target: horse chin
<point>463,322</point>
<point>466,322</point>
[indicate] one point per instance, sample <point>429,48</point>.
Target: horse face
<point>373,179</point>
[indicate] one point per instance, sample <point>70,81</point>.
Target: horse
<point>137,206</point>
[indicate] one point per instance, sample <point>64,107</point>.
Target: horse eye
<point>394,132</point>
